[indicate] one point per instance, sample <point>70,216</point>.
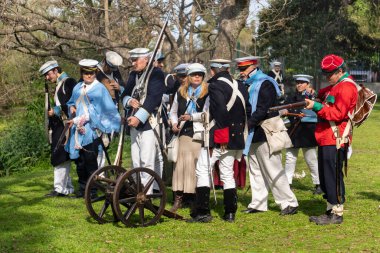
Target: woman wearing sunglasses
<point>188,104</point>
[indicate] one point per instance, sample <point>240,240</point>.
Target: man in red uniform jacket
<point>337,101</point>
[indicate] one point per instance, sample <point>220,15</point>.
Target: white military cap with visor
<point>113,59</point>
<point>47,66</point>
<point>303,78</point>
<point>181,69</point>
<point>139,52</point>
<point>196,68</point>
<point>219,63</point>
<point>88,65</point>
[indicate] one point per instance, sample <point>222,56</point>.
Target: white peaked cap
<point>47,66</point>
<point>219,63</point>
<point>89,64</point>
<point>195,68</point>
<point>181,68</point>
<point>113,59</point>
<point>139,52</point>
<point>303,77</point>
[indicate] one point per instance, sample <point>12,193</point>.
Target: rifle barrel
<point>288,106</point>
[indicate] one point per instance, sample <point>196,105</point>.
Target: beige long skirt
<point>184,178</point>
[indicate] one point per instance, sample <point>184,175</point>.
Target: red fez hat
<point>331,63</point>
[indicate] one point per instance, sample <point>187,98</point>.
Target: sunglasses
<point>88,73</point>
<point>243,68</point>
<point>196,74</point>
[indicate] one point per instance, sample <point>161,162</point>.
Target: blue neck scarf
<point>193,96</point>
<point>62,76</point>
<point>254,82</point>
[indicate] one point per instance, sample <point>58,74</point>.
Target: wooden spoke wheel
<point>135,202</point>
<point>99,193</point>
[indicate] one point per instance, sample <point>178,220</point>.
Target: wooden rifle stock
<point>46,113</point>
<point>288,106</point>
<point>119,154</point>
<point>63,135</point>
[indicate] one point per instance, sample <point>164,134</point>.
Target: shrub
<point>23,141</point>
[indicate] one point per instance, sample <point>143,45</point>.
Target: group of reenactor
<point>216,119</point>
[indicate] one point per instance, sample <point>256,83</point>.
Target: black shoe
<point>230,217</point>
<point>94,196</point>
<point>329,219</point>
<point>55,194</point>
<point>200,218</point>
<point>251,210</point>
<point>314,218</point>
<point>78,195</point>
<point>289,210</point>
<point>317,190</point>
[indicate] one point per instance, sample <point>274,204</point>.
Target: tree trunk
<point>106,20</point>
<point>233,16</point>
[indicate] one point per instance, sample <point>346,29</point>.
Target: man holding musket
<point>265,167</point>
<point>59,158</point>
<point>228,111</point>
<point>144,108</point>
<point>333,134</point>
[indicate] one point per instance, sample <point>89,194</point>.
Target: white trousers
<point>62,179</point>
<point>158,162</point>
<point>266,173</point>
<point>310,155</point>
<point>101,158</point>
<point>203,167</point>
<point>143,151</point>
<point>226,167</point>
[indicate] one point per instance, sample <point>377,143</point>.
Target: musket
<point>288,106</point>
<point>63,134</point>
<point>140,89</point>
<point>298,115</point>
<point>119,154</point>
<point>47,108</point>
<point>61,137</point>
<point>207,146</point>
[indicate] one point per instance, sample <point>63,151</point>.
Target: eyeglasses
<point>300,83</point>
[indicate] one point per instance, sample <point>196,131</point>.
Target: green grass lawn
<point>31,223</point>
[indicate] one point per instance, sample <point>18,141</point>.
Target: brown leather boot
<point>177,202</point>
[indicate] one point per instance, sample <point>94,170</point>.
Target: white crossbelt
<point>235,93</point>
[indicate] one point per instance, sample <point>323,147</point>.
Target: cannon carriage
<point>136,197</point>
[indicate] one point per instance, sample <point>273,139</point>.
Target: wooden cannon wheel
<point>99,193</point>
<point>135,202</point>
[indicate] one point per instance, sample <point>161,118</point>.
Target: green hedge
<point>23,141</point>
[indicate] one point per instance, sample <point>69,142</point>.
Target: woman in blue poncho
<point>93,113</point>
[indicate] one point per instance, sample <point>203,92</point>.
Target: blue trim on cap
<point>219,65</point>
<point>303,79</point>
<point>142,115</point>
<point>48,68</point>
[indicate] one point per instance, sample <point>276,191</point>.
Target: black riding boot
<point>230,204</point>
<point>202,205</point>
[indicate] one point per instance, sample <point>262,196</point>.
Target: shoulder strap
<point>235,93</point>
